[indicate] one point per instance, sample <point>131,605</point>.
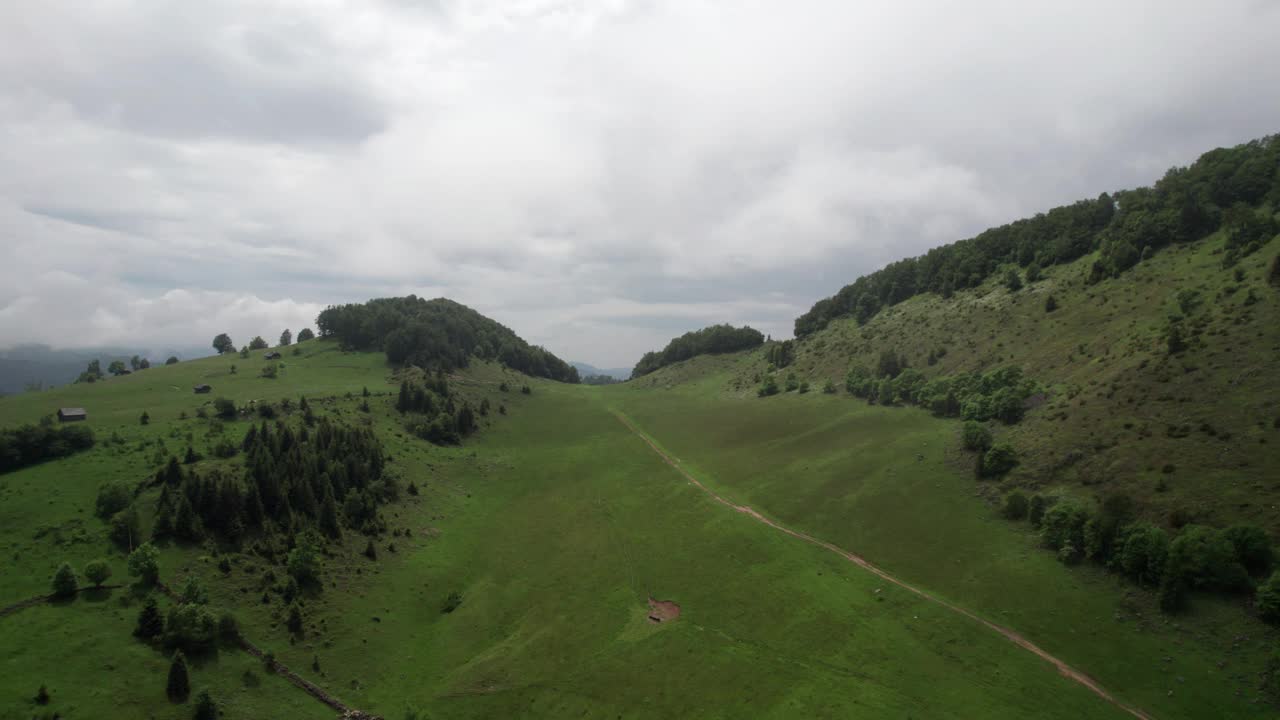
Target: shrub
<point>1050,304</point>
<point>792,382</point>
<point>1252,547</point>
<point>1033,272</point>
<point>526,390</point>
<point>228,627</point>
<point>1012,280</point>
<point>190,626</point>
<point>1143,550</point>
<point>206,708</point>
<point>1063,525</point>
<point>178,687</point>
<point>976,436</point>
<point>1036,509</point>
<point>270,371</point>
<point>304,558</point>
<point>65,583</point>
<point>193,591</point>
<point>997,461</point>
<point>451,602</point>
<point>1205,558</point>
<point>1015,505</point>
<point>42,696</point>
<point>769,386</point>
<point>144,563</point>
<point>224,408</point>
<point>1268,599</point>
<point>144,419</point>
<point>829,387</point>
<point>97,572</point>
<point>804,386</point>
<point>112,498</point>
<point>1068,554</point>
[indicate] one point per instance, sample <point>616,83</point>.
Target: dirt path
<point>1063,668</point>
<point>345,712</point>
<point>38,599</point>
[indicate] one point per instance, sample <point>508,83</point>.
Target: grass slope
<point>555,523</point>
<point>891,484</point>
<point>1193,436</point>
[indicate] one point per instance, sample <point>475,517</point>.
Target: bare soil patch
<point>661,611</point>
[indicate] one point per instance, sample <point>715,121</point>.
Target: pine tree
<point>179,685</point>
<point>294,622</point>
<point>329,524</point>
<point>150,621</point>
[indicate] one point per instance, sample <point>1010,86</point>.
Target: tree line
<point>711,340</point>
<point>1232,560</point>
<point>30,444</point>
<point>1223,189</point>
<point>223,343</point>
<point>437,334</point>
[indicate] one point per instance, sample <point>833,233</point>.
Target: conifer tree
<point>329,524</point>
<point>64,582</point>
<point>179,684</point>
<point>150,621</point>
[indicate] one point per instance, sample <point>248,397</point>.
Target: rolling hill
<point>418,514</point>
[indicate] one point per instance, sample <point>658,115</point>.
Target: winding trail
<point>1063,668</point>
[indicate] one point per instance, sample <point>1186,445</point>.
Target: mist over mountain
<point>35,366</point>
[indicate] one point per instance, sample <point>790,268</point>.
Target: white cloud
<point>597,175</point>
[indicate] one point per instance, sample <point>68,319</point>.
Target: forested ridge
<point>1221,190</point>
<point>711,340</point>
<point>436,334</point>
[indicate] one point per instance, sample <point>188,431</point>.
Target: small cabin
<point>72,414</point>
<point>125,371</point>
<point>202,389</point>
<point>272,355</point>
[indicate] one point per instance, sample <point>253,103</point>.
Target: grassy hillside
<point>555,524</point>
<point>1193,435</point>
<point>893,484</point>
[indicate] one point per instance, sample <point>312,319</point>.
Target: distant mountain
<point>24,366</point>
<point>617,373</point>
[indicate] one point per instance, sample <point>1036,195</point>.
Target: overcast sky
<point>599,175</point>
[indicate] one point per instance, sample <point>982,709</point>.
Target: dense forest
<point>319,477</point>
<point>1221,190</point>
<point>707,341</point>
<point>436,334</point>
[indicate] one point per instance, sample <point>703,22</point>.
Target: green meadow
<point>556,524</point>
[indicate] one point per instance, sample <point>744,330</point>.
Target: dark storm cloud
<point>599,175</point>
